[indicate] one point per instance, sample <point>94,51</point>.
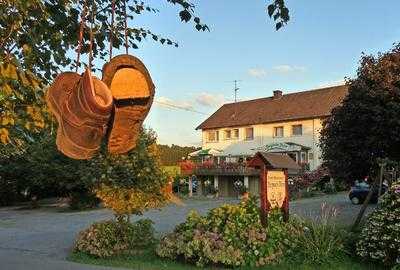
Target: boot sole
<point>131,106</point>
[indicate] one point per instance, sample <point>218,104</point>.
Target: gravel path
<point>42,238</point>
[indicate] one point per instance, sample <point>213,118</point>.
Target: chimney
<point>277,94</point>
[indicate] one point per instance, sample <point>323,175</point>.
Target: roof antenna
<point>236,89</point>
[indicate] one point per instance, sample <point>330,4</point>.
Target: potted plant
<point>245,194</point>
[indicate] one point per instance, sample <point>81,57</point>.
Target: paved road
<point>41,239</point>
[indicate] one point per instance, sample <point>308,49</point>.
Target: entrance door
<point>293,155</point>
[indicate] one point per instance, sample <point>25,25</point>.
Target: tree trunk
<point>364,206</point>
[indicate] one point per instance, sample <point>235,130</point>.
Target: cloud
<point>168,103</point>
<point>210,100</point>
<point>257,72</point>
<point>284,69</point>
<point>332,83</point>
<point>280,69</point>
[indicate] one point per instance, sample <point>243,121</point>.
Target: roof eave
<point>201,126</point>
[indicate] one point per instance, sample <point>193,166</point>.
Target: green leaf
<point>271,9</point>
<point>185,15</point>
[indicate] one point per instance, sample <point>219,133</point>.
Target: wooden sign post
<point>274,189</point>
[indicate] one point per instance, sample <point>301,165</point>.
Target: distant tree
<point>366,126</point>
<point>172,155</point>
<point>42,171</point>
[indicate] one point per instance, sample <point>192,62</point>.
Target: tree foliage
<point>128,184</point>
<point>132,183</point>
<point>35,38</point>
<point>41,171</point>
<point>172,155</point>
<point>365,127</point>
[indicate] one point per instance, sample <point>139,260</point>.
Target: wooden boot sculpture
<point>82,106</point>
<point>133,91</point>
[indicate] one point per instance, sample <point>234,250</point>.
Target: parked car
<point>359,192</point>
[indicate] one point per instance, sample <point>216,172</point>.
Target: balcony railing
<point>224,169</point>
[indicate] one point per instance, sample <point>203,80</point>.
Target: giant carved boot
<point>82,106</point>
<point>133,91</point>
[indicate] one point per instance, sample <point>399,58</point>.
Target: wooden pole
<point>364,206</point>
<point>263,196</point>
<point>382,165</point>
<point>286,202</point>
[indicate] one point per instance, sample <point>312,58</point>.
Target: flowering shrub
<point>306,180</point>
<point>380,237</point>
<point>231,235</point>
<point>187,167</point>
<point>110,238</point>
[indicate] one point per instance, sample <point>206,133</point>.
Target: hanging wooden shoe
<point>82,106</point>
<point>133,92</point>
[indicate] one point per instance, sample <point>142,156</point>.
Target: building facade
<point>284,123</point>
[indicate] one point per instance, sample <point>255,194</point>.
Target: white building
<point>285,123</point>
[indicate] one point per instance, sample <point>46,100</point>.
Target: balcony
<point>226,169</point>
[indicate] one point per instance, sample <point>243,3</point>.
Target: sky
<point>320,46</point>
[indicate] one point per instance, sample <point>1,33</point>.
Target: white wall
<point>263,135</point>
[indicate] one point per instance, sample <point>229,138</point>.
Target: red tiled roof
<point>301,105</point>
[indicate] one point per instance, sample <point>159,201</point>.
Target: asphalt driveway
<point>41,239</point>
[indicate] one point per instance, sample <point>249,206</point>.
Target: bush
<point>111,238</point>
<point>380,237</point>
<point>83,200</point>
<point>127,201</point>
<point>230,235</point>
<point>41,171</point>
<point>306,180</point>
<point>8,192</point>
<point>316,241</point>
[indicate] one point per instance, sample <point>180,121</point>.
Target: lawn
<point>149,261</point>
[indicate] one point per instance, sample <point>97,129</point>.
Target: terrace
<point>225,168</point>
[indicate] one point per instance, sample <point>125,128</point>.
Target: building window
<point>310,156</point>
<point>249,134</point>
<point>278,131</point>
<point>297,130</point>
<point>235,134</point>
<point>213,136</point>
<point>228,134</point>
<point>303,157</point>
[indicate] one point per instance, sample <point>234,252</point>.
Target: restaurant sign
<point>276,188</point>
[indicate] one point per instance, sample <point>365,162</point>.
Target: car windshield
<point>362,185</point>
